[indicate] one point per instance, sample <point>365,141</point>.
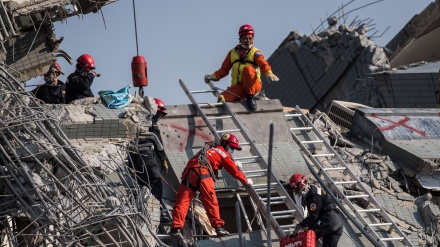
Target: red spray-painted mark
<point>397,124</point>
<point>193,132</point>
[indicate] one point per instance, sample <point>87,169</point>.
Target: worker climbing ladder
<point>257,192</point>
<point>309,138</point>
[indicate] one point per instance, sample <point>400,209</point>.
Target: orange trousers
<point>207,196</point>
<point>250,84</point>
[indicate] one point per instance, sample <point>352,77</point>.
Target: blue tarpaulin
<point>116,99</point>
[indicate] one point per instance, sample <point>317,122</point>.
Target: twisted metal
<point>49,196</point>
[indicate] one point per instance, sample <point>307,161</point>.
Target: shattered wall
<point>330,65</point>
<point>52,194</point>
<point>418,39</point>
<point>29,44</point>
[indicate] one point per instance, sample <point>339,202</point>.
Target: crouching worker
<point>323,217</point>
<point>199,175</point>
<point>143,158</point>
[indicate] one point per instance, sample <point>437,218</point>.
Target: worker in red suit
<point>246,63</point>
<point>199,175</point>
<point>323,216</point>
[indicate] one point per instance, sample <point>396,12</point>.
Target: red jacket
<point>218,158</point>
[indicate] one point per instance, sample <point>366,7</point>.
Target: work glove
<point>272,77</point>
<point>249,181</point>
<point>165,167</point>
<point>295,232</point>
<point>95,73</point>
<point>221,99</point>
<point>239,165</point>
<point>209,78</point>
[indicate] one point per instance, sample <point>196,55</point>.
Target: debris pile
<point>327,65</point>
<point>51,196</point>
<point>385,179</point>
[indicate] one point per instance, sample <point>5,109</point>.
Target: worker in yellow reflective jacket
<point>247,63</point>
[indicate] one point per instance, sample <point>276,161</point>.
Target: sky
<point>188,39</point>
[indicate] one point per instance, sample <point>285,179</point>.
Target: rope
<point>135,29</point>
<point>203,158</point>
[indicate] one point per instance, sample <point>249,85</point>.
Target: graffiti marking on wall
<point>401,123</point>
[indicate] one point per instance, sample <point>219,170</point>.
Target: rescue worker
<point>53,90</point>
<point>323,216</point>
<point>143,157</point>
<point>247,63</point>
<point>78,84</point>
<point>199,175</point>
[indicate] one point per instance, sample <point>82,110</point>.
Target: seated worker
<point>78,84</point>
<point>323,216</point>
<point>245,62</point>
<point>53,90</point>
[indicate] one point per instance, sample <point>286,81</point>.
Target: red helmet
<point>57,68</point>
<point>86,62</point>
<point>246,29</point>
<point>161,106</point>
<point>297,181</point>
<point>231,140</point>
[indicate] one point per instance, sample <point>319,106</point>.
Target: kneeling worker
<point>323,217</point>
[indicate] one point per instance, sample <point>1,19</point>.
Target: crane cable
<point>135,29</point>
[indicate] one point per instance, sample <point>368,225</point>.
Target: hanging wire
<point>135,29</point>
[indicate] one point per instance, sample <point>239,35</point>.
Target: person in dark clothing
<point>78,84</point>
<point>53,90</point>
<point>323,216</point>
<point>143,156</point>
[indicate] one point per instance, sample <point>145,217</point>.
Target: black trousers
<point>330,228</point>
<point>148,171</point>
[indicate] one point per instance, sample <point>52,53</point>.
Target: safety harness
<point>203,160</point>
<point>242,60</point>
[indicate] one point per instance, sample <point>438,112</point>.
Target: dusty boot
<point>164,220</point>
<point>251,102</point>
<point>174,232</point>
<point>221,231</point>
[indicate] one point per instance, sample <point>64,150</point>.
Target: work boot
<point>174,232</point>
<point>164,219</point>
<point>251,102</point>
<point>221,231</point>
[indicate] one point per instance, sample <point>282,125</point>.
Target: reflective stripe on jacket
<point>238,64</point>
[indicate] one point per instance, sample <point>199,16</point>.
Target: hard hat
<point>160,106</point>
<point>57,68</point>
<point>297,180</point>
<point>231,140</point>
<point>86,62</point>
<point>246,29</point>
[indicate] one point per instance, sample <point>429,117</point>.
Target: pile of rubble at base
<point>50,196</point>
<point>385,180</point>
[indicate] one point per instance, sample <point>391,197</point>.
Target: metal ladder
<point>280,195</point>
<point>372,228</point>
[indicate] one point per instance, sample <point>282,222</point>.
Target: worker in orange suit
<point>199,175</point>
<point>247,63</point>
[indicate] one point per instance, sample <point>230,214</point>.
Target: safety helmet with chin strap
<point>231,140</point>
<point>298,181</point>
<point>86,62</point>
<point>246,29</point>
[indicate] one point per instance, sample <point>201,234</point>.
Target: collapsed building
<point>66,179</point>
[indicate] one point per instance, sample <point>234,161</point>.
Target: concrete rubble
<point>64,178</point>
<point>331,64</point>
<point>56,192</point>
<point>383,175</point>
